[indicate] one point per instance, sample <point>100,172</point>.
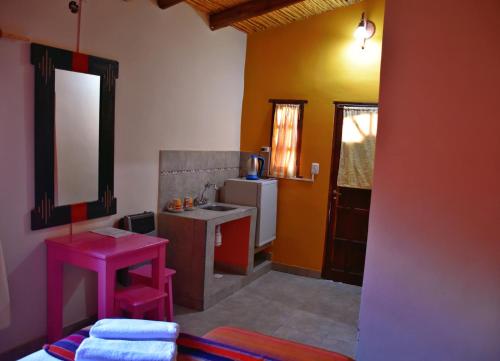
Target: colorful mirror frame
<point>45,60</point>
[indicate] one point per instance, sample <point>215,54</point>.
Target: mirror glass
<point>76,137</point>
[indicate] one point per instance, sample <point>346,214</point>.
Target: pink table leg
<point>54,296</point>
<point>157,273</point>
<point>106,290</point>
<point>169,302</point>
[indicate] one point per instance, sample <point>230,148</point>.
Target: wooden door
<point>348,214</point>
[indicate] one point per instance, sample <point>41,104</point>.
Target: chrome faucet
<point>201,200</point>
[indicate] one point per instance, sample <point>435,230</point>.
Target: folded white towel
<point>97,349</point>
<point>126,329</point>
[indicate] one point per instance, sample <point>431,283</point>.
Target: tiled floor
<point>316,312</point>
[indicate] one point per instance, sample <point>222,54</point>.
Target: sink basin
<point>217,208</point>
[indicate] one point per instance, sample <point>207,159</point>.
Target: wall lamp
<point>364,31</point>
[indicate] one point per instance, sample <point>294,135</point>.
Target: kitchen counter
<point>193,254</point>
<point>201,214</point>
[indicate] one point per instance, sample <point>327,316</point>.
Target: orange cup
<point>188,202</point>
<point>176,203</point>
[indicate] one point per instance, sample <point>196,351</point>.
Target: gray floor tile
<point>319,313</point>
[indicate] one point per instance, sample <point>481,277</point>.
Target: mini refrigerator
<point>261,193</point>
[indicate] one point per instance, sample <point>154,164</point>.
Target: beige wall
<point>432,278</point>
<point>180,87</point>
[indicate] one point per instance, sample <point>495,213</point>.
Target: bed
<point>262,344</point>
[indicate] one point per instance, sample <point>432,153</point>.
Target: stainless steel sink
<point>214,207</point>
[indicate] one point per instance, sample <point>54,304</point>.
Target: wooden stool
<point>139,299</point>
<point>142,275</point>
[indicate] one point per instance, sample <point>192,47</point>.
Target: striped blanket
<point>190,348</point>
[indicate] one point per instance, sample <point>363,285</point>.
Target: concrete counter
<point>191,252</point>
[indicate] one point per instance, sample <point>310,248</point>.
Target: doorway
<point>349,197</point>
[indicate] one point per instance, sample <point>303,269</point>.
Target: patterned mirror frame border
<point>46,59</point>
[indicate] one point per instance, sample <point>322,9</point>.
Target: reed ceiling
<point>297,10</point>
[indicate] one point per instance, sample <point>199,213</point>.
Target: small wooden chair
<point>142,276</point>
<point>138,300</point>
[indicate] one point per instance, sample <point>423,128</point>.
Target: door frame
<point>338,122</point>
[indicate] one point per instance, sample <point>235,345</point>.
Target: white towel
<point>97,349</point>
<point>126,329</point>
<point>4,294</point>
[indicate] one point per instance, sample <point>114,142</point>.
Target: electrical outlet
<point>315,168</point>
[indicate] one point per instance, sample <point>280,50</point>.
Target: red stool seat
<point>142,276</point>
<point>144,273</point>
<point>138,299</point>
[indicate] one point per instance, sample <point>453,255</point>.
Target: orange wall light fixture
<point>364,31</point>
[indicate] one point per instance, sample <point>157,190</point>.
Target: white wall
<point>180,87</point>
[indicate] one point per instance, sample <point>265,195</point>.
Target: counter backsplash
<point>184,173</point>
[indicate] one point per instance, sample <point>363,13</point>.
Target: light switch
<point>315,168</point>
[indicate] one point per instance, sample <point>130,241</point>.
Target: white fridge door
<point>268,200</point>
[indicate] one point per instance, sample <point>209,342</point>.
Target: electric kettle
<point>255,167</point>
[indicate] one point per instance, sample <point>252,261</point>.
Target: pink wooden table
<point>104,255</point>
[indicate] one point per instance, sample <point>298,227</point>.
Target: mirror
<point>77,137</point>
<point>74,136</point>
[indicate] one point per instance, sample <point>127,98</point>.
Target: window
<point>286,137</point>
<point>357,151</point>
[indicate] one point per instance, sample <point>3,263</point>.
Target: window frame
<point>300,122</point>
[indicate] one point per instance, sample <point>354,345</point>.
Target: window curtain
<point>357,152</point>
<point>284,143</point>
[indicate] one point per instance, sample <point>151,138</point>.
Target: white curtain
<point>284,143</point>
<point>358,147</point>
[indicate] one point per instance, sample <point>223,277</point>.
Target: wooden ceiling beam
<point>164,4</point>
<point>246,11</point>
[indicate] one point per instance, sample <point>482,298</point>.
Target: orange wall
<point>432,278</point>
<point>318,60</point>
<point>233,251</point>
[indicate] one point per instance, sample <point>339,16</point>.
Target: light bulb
<point>360,33</point>
<point>364,31</point>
